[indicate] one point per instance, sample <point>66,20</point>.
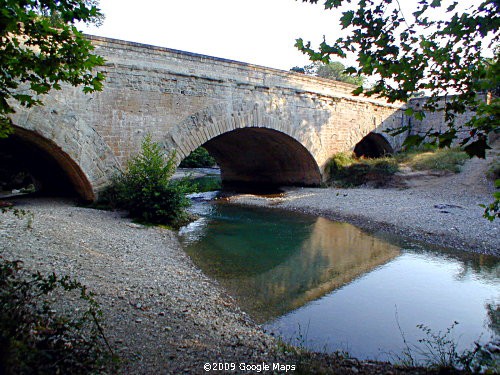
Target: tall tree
<point>336,70</point>
<point>423,53</point>
<point>40,48</point>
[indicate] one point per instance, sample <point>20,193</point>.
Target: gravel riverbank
<point>161,313</point>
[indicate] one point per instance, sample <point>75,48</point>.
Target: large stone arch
<point>36,152</point>
<point>263,157</point>
<point>78,149</point>
<point>250,144</point>
<point>211,122</point>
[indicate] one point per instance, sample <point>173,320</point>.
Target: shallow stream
<point>330,286</point>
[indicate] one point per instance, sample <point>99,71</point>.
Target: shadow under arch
<point>48,163</point>
<point>262,157</point>
<point>373,145</point>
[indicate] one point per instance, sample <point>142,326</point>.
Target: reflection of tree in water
<point>493,313</point>
<point>484,267</point>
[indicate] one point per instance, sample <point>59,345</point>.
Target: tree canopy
<point>333,70</point>
<point>407,55</point>
<point>40,48</point>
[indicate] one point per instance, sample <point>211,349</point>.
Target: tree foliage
<point>40,48</point>
<point>199,158</point>
<point>423,53</point>
<point>36,337</point>
<point>333,70</point>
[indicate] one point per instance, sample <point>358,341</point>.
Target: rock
<point>135,226</point>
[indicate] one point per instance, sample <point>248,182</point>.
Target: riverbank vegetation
<point>347,170</point>
<point>199,158</point>
<point>443,159</point>
<point>438,353</point>
<point>146,191</point>
<point>36,336</point>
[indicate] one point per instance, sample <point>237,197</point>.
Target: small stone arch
<point>373,145</point>
<point>59,130</point>
<point>49,163</point>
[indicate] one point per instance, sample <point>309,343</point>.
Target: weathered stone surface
<point>436,121</point>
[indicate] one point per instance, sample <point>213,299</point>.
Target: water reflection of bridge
<point>334,255</point>
<point>331,255</point>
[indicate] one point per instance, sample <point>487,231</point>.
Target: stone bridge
<point>263,126</point>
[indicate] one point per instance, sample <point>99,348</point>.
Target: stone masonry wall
<point>435,121</point>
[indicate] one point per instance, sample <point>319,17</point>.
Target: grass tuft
<point>444,159</point>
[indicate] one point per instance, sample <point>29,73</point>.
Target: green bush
<point>345,170</point>
<point>338,162</point>
<point>207,183</point>
<point>146,191</point>
<point>37,338</point>
<point>199,158</point>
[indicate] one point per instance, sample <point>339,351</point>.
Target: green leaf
<point>452,7</point>
<point>446,139</point>
<point>358,90</point>
<point>346,18</point>
<point>46,52</point>
<point>413,140</point>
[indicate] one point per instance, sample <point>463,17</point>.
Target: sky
<point>260,32</point>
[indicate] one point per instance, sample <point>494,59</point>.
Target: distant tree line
<point>334,70</point>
